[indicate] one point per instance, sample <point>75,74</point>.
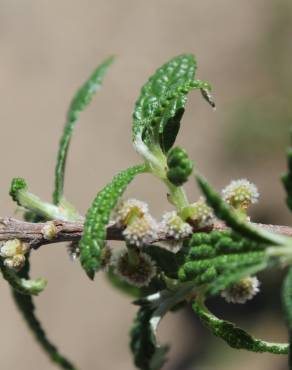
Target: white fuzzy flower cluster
<point>242,291</point>
<point>127,208</point>
<point>13,252</point>
<point>201,214</point>
<point>173,225</point>
<point>141,231</point>
<point>240,193</point>
<point>140,274</point>
<point>141,228</point>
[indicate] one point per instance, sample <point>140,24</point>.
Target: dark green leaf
<point>162,99</point>
<point>147,355</point>
<point>26,306</point>
<point>97,218</point>
<point>235,336</point>
<point>80,101</point>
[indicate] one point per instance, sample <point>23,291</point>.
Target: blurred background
<point>48,48</point>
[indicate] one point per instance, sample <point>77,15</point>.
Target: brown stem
<point>10,228</point>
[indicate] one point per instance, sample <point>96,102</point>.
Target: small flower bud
<point>198,214</point>
<point>16,262</point>
<point>174,226</point>
<point>49,231</point>
<point>242,291</point>
<point>13,252</point>
<point>240,194</point>
<point>141,231</point>
<point>139,273</point>
<point>13,247</point>
<point>126,209</point>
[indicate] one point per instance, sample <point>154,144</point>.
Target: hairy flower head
<point>126,209</point>
<point>198,214</point>
<point>13,252</point>
<point>242,291</point>
<point>173,225</point>
<point>240,194</point>
<point>141,231</point>
<point>139,273</point>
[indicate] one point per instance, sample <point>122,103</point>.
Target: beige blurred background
<point>47,49</point>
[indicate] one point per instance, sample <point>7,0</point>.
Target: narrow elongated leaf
<point>236,337</point>
<point>160,107</point>
<point>97,218</point>
<point>21,285</point>
<point>223,211</point>
<point>147,355</point>
<point>80,101</point>
<point>26,306</point>
<point>287,306</point>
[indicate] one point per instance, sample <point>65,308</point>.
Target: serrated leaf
<point>26,307</point>
<point>80,101</point>
<point>236,337</point>
<point>224,212</point>
<point>162,99</point>
<point>97,218</point>
<point>147,355</point>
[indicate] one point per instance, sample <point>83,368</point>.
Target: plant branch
<point>32,233</point>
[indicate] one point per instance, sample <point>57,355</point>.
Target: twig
<point>32,233</point>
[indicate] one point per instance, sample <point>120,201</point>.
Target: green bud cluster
<point>179,166</point>
<point>210,256</point>
<point>97,218</point>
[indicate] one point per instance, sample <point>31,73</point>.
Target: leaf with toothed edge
<point>80,101</point>
<point>147,354</point>
<point>160,107</point>
<point>97,218</point>
<point>26,307</point>
<point>235,336</point>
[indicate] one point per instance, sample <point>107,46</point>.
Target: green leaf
<point>223,211</point>
<point>236,337</point>
<point>160,107</point>
<point>80,101</point>
<point>147,355</point>
<point>97,218</point>
<point>26,306</point>
<point>287,179</point>
<point>38,210</point>
<point>287,306</point>
<point>21,285</point>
